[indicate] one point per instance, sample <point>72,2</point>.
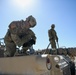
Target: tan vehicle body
<point>23,65</point>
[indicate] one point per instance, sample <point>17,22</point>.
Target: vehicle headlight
<point>56,59</point>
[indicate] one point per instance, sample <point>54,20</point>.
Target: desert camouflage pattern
<point>18,34</point>
<point>52,37</point>
<point>31,20</point>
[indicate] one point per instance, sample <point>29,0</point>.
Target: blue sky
<point>60,12</point>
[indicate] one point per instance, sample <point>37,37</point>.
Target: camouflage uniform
<point>19,34</point>
<point>52,37</point>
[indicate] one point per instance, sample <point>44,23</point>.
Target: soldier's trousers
<point>53,44</point>
<point>10,49</point>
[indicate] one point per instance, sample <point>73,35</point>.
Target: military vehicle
<point>38,63</point>
<point>60,65</point>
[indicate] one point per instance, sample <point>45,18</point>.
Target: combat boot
<point>53,51</point>
<point>24,51</point>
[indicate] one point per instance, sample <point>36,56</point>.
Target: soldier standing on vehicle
<point>53,38</point>
<point>19,34</point>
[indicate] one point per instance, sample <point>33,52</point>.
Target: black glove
<point>26,44</point>
<point>29,43</point>
<point>32,41</point>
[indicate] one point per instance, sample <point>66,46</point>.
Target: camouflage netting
<point>64,51</point>
<point>60,51</point>
<point>72,51</point>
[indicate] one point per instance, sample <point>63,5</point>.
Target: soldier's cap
<point>53,26</point>
<point>31,20</point>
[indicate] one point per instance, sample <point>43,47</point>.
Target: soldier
<point>53,38</point>
<point>19,34</point>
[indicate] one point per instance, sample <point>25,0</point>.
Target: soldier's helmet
<point>53,26</point>
<point>31,20</point>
